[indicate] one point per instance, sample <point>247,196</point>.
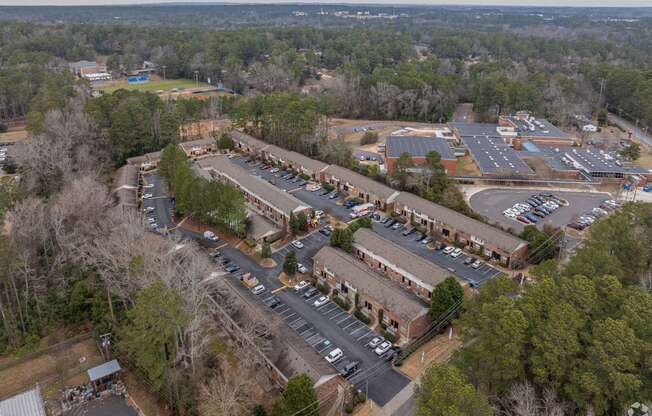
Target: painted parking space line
<point>326,312</point>
<point>282,308</point>
<point>267,298</point>
<point>308,333</point>
<point>303,328</point>
<point>344,319</point>
<point>349,325</point>
<point>325,348</point>
<point>325,305</point>
<point>357,329</point>
<point>314,341</point>
<point>293,314</point>
<point>288,311</point>
<point>340,313</point>
<point>311,298</point>
<point>297,324</point>
<point>294,321</point>
<point>365,335</point>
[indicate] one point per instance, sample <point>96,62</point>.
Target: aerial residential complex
<point>403,313</point>
<point>259,195</point>
<point>411,271</point>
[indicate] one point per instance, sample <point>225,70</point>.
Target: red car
<point>523,219</point>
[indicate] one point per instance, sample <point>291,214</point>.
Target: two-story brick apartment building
<point>450,225</point>
<point>404,315</point>
<point>359,186</point>
<point>293,160</point>
<point>259,195</point>
<point>246,143</point>
<point>412,272</point>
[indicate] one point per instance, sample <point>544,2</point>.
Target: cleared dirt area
<point>49,367</point>
<point>438,350</point>
<point>14,134</point>
<point>466,167</point>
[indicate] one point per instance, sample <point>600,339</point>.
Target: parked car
<point>148,196</point>
<point>232,268</point>
<point>477,264</point>
<point>390,223</point>
<point>468,261</point>
<point>298,244</point>
<point>409,231</point>
<point>310,293</point>
<point>272,302</point>
<point>301,268</point>
<point>448,250</point>
<point>324,192</point>
<point>426,241</point>
<point>258,290</point>
<point>523,219</point>
<point>149,209</point>
<point>273,170</point>
<point>326,232</point>
<point>383,348</point>
<point>322,300</point>
<point>349,369</point>
<point>334,356</point>
<point>210,236</point>
<point>375,341</point>
<point>301,285</point>
<point>396,226</point>
<point>420,236</point>
<point>456,253</point>
<point>333,195</point>
<point>386,220</point>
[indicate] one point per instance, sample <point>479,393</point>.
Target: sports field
<point>150,86</point>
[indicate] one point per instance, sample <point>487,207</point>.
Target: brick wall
<point>449,165</point>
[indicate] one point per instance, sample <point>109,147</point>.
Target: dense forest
<point>404,71</point>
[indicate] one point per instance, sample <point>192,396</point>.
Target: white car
<point>301,285</point>
<point>273,170</point>
<point>334,356</point>
<point>153,225</point>
<point>321,301</point>
<point>456,253</point>
<point>477,264</point>
<point>319,213</point>
<point>147,196</point>
<point>151,220</point>
<point>449,250</point>
<point>149,209</point>
<point>297,244</point>
<point>383,348</point>
<point>301,268</point>
<point>148,186</point>
<point>375,341</point>
<point>258,290</point>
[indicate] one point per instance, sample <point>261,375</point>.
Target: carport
<point>103,376</point>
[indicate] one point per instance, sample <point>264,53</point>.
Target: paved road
<point>636,132</point>
<point>323,328</point>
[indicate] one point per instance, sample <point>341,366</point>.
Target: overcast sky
<point>576,3</point>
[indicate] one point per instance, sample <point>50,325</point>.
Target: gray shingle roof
<point>197,143</point>
<point>297,159</point>
<point>360,181</point>
<point>417,267</point>
<point>28,403</point>
<point>417,146</point>
<point>493,156</point>
<point>486,232</point>
<point>390,295</point>
<point>267,192</point>
<point>247,139</point>
<point>476,129</point>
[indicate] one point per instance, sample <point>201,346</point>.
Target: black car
<point>386,220</point>
<point>420,236</point>
<point>226,261</point>
<point>272,302</point>
<point>390,223</point>
<point>325,231</point>
<point>349,369</point>
<point>468,260</point>
<point>324,192</point>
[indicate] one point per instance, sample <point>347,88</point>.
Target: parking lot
<point>492,202</point>
<point>455,265</point>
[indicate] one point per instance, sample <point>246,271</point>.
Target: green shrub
<point>304,177</point>
<point>327,186</point>
<point>349,408</point>
<point>361,397</point>
<point>250,243</point>
<point>361,316</point>
<point>323,288</point>
<point>388,335</point>
<point>342,303</point>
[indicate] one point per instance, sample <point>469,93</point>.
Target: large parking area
<point>492,202</point>
<point>455,265</point>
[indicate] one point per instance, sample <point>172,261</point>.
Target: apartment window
<point>394,323</point>
<point>344,288</point>
<point>429,295</point>
<point>409,283</point>
<point>380,265</point>
<point>368,305</point>
<point>402,279</point>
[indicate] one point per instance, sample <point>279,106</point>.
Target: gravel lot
<point>492,202</point>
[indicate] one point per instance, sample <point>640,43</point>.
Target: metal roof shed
<point>103,370</point>
<point>28,403</point>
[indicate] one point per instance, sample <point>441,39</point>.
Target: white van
<point>362,209</point>
<point>210,236</point>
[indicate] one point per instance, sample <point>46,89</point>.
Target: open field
<point>49,367</point>
<point>14,134</point>
<point>150,86</point>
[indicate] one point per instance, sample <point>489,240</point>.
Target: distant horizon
<point>466,3</point>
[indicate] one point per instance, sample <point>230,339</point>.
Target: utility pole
<point>197,78</point>
<point>163,66</point>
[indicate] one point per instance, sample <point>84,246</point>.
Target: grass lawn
<point>152,86</point>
